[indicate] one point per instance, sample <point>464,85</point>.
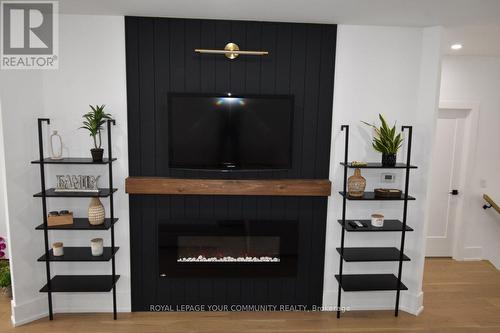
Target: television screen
<point>228,132</point>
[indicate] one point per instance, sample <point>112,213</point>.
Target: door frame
<point>467,164</point>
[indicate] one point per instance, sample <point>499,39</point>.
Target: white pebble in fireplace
<point>228,259</point>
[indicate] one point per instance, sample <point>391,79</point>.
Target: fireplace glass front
<point>227,248</point>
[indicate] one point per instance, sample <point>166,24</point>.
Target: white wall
<point>91,71</point>
<point>477,80</point>
<point>21,96</point>
<point>393,71</point>
<point>390,70</point>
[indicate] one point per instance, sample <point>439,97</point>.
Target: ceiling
<point>477,40</point>
<point>474,23</point>
<point>376,12</point>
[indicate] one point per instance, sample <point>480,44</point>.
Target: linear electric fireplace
<point>227,248</point>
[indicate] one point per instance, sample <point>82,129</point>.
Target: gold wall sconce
<point>231,51</point>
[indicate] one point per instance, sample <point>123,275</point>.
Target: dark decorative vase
<point>97,154</point>
<point>388,159</point>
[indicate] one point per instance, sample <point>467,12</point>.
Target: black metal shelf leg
<point>112,214</point>
<point>44,211</point>
<point>405,209</point>
<point>344,202</point>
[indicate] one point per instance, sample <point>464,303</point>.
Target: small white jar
<point>96,246</point>
<point>58,249</point>
<point>377,220</point>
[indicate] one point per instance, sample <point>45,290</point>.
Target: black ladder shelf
<point>373,282</point>
<point>77,283</point>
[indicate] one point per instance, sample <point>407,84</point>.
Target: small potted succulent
<point>386,141</point>
<point>93,122</point>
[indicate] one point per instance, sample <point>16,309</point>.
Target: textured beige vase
<point>356,184</point>
<point>96,212</point>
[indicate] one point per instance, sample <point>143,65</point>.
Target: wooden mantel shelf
<point>270,187</point>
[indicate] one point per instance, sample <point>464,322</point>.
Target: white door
<point>445,177</point>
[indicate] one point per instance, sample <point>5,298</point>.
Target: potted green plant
<point>5,282</point>
<point>386,141</point>
<point>93,122</point>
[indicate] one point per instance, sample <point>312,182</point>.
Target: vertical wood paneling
<point>233,286</point>
<point>149,250</point>
<point>280,46</point>
<point>278,213</point>
<point>180,289</point>
<point>207,85</point>
<point>253,64</point>
<point>146,96</point>
<point>177,65</point>
<point>220,284</point>
<point>303,280</point>
<point>318,237</point>
<point>311,88</point>
<point>297,87</point>
<point>237,87</point>
<point>289,286</point>
<point>161,59</point>
<point>133,89</point>
<point>192,83</point>
<point>131,38</point>
<point>222,66</point>
<point>207,62</point>
<point>237,67</point>
<point>143,113</point>
<point>164,290</point>
<point>268,64</point>
<point>283,56</point>
<point>325,100</point>
<point>162,87</point>
<point>177,83</point>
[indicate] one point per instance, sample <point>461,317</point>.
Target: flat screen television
<point>223,132</point>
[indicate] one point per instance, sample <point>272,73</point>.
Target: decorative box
<point>64,219</point>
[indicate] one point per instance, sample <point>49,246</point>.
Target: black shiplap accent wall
<point>161,59</point>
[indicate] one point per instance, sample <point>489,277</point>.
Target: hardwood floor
<point>459,297</point>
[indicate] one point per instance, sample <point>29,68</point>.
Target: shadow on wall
<point>3,205</point>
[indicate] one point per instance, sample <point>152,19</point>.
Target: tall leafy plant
<point>385,140</point>
<point>94,121</point>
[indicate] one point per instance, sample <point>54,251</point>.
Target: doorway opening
<point>452,157</point>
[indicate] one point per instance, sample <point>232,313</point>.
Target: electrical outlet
<point>388,178</point>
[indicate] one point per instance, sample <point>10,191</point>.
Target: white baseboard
<point>475,253</point>
<point>412,303</point>
<point>68,303</point>
<point>29,311</point>
<point>472,253</point>
<point>380,300</point>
